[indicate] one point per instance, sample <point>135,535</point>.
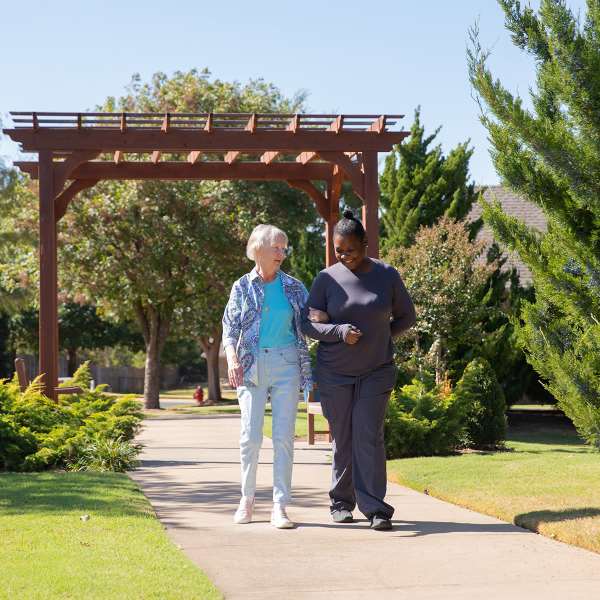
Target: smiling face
<point>350,250</point>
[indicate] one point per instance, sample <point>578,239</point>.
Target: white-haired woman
<point>267,356</point>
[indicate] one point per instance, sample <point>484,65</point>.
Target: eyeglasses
<point>285,251</point>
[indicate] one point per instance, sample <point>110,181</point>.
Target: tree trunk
<point>155,328</point>
<point>210,346</point>
<point>440,367</point>
<point>71,361</point>
<point>152,374</point>
<point>435,358</point>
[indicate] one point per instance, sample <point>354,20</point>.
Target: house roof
<point>515,205</point>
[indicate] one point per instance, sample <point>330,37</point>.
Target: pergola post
<point>334,190</point>
<point>48,315</point>
<point>370,215</point>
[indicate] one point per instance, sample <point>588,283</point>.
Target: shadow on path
<point>532,520</point>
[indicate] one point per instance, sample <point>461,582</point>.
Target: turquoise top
<point>276,327</point>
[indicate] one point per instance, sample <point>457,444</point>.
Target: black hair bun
<point>350,225</point>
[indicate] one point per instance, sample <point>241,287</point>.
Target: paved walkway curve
<point>190,473</point>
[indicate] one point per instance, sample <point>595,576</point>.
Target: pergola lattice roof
<point>207,140</point>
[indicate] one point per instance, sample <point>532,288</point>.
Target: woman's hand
<point>354,334</point>
<point>317,316</point>
<point>235,374</point>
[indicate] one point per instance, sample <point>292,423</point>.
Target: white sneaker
<point>244,512</point>
<point>279,517</point>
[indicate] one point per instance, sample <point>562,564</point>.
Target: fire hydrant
<point>199,396</point>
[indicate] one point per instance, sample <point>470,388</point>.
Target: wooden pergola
<point>77,150</point>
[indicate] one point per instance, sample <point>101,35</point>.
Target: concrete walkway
<point>190,473</point>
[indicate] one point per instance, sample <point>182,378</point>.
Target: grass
<point>535,407</point>
<point>48,552</point>
<point>187,392</point>
<point>230,406</point>
<point>548,482</point>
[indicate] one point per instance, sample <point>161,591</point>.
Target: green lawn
<point>548,481</point>
<point>48,552</point>
<point>230,406</point>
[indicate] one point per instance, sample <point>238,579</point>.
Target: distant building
<point>517,206</point>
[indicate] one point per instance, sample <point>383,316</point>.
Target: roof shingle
<point>517,206</point>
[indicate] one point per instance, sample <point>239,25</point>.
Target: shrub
<point>482,400</point>
<point>16,443</point>
<point>422,420</point>
<point>89,428</point>
<point>107,454</point>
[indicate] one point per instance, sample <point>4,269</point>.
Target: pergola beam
<point>64,198</point>
<point>269,156</point>
<point>231,156</point>
<point>305,157</point>
<point>63,170</point>
<point>350,169</point>
<point>181,140</point>
<point>201,170</point>
<point>193,156</point>
<point>318,197</point>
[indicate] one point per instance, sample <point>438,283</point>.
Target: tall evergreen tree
<point>419,185</point>
<point>551,155</point>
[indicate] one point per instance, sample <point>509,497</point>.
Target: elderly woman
<point>356,307</point>
<point>267,357</point>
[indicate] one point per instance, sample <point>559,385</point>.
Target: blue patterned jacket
<point>241,323</point>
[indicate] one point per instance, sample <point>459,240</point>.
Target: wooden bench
<point>24,380</point>
<point>313,408</point>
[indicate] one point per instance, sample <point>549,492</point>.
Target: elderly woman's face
<point>272,255</point>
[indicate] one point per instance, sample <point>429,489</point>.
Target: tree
<point>550,154</point>
<point>503,298</point>
<point>308,255</point>
<point>419,185</point>
<point>18,240</point>
<point>446,281</point>
<point>147,252</point>
<point>483,404</point>
<point>161,251</point>
<point>80,327</point>
<point>17,255</point>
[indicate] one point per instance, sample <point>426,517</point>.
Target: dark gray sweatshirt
<point>376,302</point>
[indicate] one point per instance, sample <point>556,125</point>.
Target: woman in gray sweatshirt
<point>354,309</point>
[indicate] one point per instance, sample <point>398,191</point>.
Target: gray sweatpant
<point>355,407</point>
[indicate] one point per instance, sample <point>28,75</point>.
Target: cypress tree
<point>482,400</point>
<point>550,154</point>
<point>419,185</point>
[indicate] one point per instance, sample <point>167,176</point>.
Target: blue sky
<point>379,56</point>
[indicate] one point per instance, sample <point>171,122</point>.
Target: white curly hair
<point>261,236</point>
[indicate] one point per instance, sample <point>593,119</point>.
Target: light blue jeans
<point>279,379</point>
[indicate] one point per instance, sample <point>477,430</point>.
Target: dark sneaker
<point>380,523</point>
<point>342,516</point>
